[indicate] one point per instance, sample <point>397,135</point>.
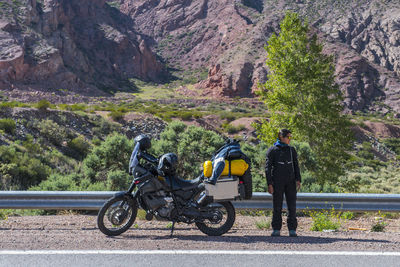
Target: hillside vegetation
<point>80,79</point>
<point>70,147</point>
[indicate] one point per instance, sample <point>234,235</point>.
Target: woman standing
<point>283,177</point>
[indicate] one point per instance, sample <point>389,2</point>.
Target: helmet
<point>167,163</point>
<point>144,141</point>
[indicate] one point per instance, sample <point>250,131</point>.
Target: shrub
<point>8,125</point>
<point>379,226</point>
<point>96,141</point>
<point>58,182</point>
<point>240,109</point>
<point>12,104</point>
<point>325,220</point>
<point>77,107</point>
<point>118,180</point>
<point>370,180</point>
<point>3,215</point>
<point>87,185</point>
<point>116,115</point>
<point>52,131</point>
<point>80,145</point>
<point>103,127</point>
<point>263,224</point>
<point>347,215</point>
<point>20,170</point>
<point>393,144</point>
<point>227,116</point>
<point>73,107</point>
<point>185,115</point>
<point>391,215</point>
<point>231,129</point>
<point>113,154</point>
<point>192,144</point>
<point>43,105</point>
<point>365,154</point>
<point>31,146</point>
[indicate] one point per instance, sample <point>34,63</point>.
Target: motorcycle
<point>157,190</point>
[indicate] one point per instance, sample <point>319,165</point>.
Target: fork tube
<point>131,187</point>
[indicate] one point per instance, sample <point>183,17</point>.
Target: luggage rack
<point>226,188</point>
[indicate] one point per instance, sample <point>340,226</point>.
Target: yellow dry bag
<point>238,167</point>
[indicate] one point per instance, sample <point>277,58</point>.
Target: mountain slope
<point>218,44</point>
<point>227,38</point>
<point>69,44</point>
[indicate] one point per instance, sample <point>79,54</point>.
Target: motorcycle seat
<point>178,183</point>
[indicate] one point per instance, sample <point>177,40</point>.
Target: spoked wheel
<point>117,215</point>
<point>221,221</point>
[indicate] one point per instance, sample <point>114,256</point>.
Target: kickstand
<point>172,229</point>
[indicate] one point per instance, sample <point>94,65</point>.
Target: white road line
<point>195,252</point>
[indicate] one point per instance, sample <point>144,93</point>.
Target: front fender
<point>126,195</point>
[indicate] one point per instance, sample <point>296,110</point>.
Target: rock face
<point>80,45</point>
<point>370,46</point>
<point>89,44</point>
<point>227,38</point>
<point>196,35</point>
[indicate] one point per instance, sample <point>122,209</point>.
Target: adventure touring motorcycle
<point>205,202</point>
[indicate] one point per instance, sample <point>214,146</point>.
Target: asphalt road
<point>196,258</point>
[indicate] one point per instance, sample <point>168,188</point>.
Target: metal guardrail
<point>338,201</point>
<point>90,200</point>
<point>54,200</point>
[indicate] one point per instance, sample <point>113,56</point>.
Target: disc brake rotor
<point>217,217</point>
<point>117,216</point>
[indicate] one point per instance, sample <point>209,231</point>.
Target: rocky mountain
<point>227,38</point>
<point>79,45</point>
<point>217,43</point>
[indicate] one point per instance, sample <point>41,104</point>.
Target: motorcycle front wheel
<point>222,221</point>
<point>117,215</point>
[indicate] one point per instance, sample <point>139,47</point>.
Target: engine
<point>160,203</point>
<point>165,211</point>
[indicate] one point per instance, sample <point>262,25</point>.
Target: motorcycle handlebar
<point>148,157</point>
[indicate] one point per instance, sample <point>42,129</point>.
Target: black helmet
<point>144,141</point>
<point>167,163</point>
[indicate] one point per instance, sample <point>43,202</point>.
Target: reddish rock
<point>77,45</point>
<point>197,34</point>
<point>84,45</point>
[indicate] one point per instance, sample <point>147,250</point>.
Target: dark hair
<point>284,133</point>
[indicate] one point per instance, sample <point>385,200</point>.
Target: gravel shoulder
<point>73,232</point>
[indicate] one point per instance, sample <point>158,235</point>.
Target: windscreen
<point>133,162</point>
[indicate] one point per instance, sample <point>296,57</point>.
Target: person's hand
<point>270,189</point>
<point>298,185</point>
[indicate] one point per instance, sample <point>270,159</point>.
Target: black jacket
<point>281,165</point>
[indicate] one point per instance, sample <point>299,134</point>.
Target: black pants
<point>289,189</point>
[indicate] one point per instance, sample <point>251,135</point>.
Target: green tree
<point>256,154</point>
<point>192,144</point>
<point>112,155</point>
<point>301,94</point>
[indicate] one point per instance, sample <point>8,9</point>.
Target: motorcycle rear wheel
<point>117,215</point>
<point>218,228</point>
